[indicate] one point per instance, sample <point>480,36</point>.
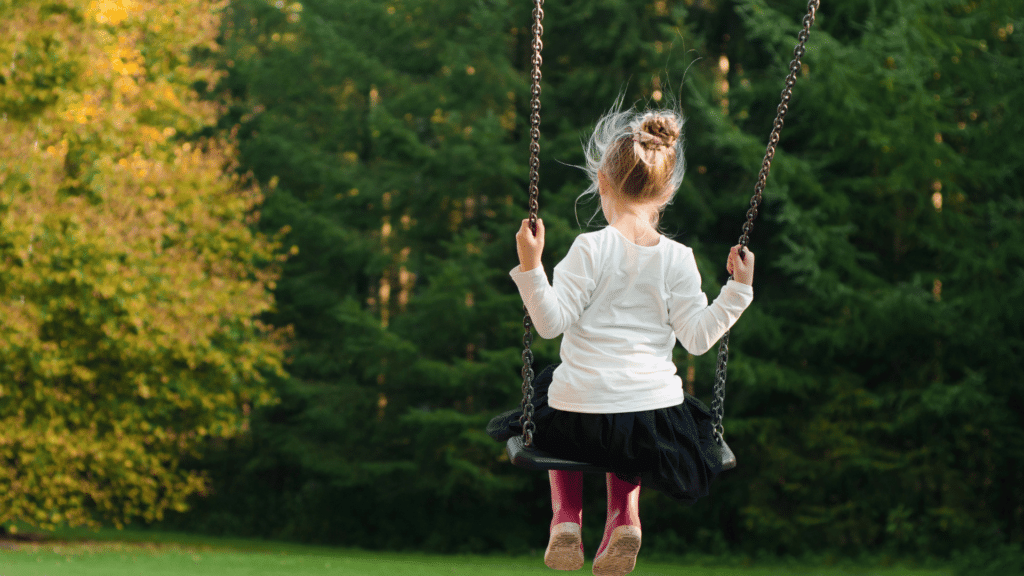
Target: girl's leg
<point>621,542</point>
<point>566,497</point>
<point>565,546</point>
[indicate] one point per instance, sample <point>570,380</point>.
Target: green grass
<point>144,553</point>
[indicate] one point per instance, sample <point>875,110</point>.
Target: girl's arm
<point>696,324</point>
<point>554,308</point>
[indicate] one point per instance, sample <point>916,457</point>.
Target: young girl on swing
<point>622,296</point>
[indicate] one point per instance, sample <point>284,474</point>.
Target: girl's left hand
<point>529,246</point>
<point>741,268</point>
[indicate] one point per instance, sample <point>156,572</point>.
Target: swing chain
<point>535,76</point>
<point>526,420</point>
<point>718,403</point>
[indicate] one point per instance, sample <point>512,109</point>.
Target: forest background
<point>353,172</point>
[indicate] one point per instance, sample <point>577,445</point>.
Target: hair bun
<point>663,130</point>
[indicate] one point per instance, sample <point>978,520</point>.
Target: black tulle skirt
<point>671,450</point>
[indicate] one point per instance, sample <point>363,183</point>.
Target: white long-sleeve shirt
<point>622,307</point>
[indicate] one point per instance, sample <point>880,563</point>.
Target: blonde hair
<point>640,153</point>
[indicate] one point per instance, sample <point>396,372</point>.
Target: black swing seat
<point>728,458</point>
<point>532,458</point>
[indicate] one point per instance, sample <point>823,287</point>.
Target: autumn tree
<point>130,279</point>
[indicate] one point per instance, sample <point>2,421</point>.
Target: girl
<point>622,296</point>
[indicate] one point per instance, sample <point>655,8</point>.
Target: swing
<point>521,450</point>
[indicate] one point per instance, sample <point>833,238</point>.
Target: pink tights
<point>567,501</point>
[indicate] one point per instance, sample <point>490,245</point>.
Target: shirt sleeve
<point>698,326</point>
<point>554,308</point>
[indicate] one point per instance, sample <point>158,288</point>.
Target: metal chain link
<point>526,420</point>
<point>718,403</point>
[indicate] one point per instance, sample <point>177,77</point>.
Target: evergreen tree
<point>872,402</point>
<point>385,132</point>
<point>868,408</point>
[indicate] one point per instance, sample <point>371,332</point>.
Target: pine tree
<point>871,403</point>
<point>384,132</point>
<point>869,409</point>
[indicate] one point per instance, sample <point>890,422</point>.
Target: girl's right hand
<point>742,269</point>
<point>530,246</point>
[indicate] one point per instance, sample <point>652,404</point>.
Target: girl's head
<point>636,158</point>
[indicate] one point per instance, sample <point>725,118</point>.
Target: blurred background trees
<point>129,274</point>
<point>874,402</point>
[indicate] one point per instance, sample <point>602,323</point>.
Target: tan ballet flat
<point>619,557</point>
<point>565,547</point>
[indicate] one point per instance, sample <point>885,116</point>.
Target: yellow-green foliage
<point>129,277</point>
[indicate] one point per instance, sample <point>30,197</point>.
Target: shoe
<point>565,547</point>
<point>619,556</point>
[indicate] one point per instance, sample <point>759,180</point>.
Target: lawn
<point>155,554</point>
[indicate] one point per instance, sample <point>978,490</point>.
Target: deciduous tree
<point>130,280</point>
